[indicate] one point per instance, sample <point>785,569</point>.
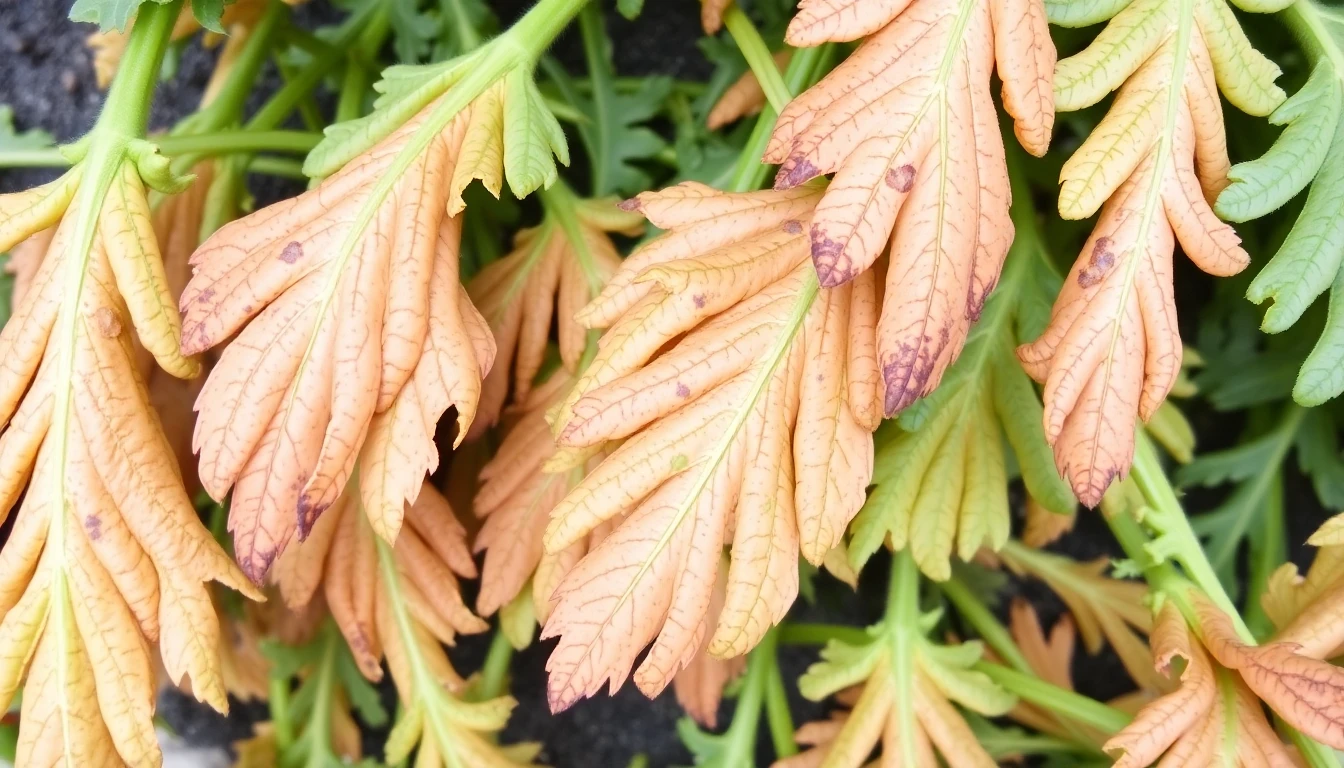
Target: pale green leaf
<point>107,14</point>
<point>533,138</point>
<point>630,9</point>
<point>1265,184</point>
<point>11,139</point>
<point>405,91</point>
<point>1082,13</point>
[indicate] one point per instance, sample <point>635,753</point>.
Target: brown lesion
<point>1098,264</point>
<point>795,170</point>
<point>292,252</point>
<point>107,322</point>
<point>834,267</point>
<point>902,178</point>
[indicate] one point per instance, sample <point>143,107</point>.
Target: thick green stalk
<point>1060,701</point>
<point>777,715</point>
<point>902,619</point>
<point>495,672</point>
<point>990,629</point>
<point>279,106</point>
<point>792,633</point>
<point>278,704</point>
<point>228,142</point>
<point>227,105</point>
<point>594,35</point>
<point>758,57</point>
<point>740,738</point>
<point>1177,540</point>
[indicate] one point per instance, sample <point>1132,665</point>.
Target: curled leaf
<point>1211,718</point>
<point>730,376</point>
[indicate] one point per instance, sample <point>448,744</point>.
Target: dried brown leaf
<point>330,337</point>
<point>1112,350</point>
<point>907,125</point>
<point>718,337</point>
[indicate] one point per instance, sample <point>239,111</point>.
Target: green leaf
<point>405,90</point>
<point>107,14</point>
<point>630,9</point>
<point>1082,13</point>
<point>613,135</point>
<point>209,13</point>
<point>1310,150</point>
<point>413,32</point>
<point>11,139</point>
<point>533,138</point>
<point>1265,184</point>
<point>1318,456</point>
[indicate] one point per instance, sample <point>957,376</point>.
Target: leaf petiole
<point>1065,703</point>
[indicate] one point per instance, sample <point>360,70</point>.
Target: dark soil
<point>45,75</point>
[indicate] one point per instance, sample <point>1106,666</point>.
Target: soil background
<point>46,76</point>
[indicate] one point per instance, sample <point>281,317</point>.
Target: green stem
<point>990,629</point>
<point>1060,701</point>
<point>740,738</point>
<point>594,52</point>
<point>777,715</point>
<point>1177,539</point>
<point>45,157</point>
<point>792,633</point>
<point>758,56</point>
<point>495,671</point>
<point>547,19</point>
<point>468,39</point>
<point>1268,551</point>
<point>902,620</point>
<point>1304,19</point>
<point>228,103</point>
<point>803,69</point>
<point>278,704</point>
<point>229,142</point>
<point>277,166</point>
<point>279,106</point>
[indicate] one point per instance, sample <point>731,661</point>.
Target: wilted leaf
<point>554,270</point>
<point>732,379</point>
<point>346,307</point>
<point>1112,351</point>
<point>106,556</point>
<point>1106,610</point>
<point>907,125</point>
<point>941,476</point>
<point>1211,718</point>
